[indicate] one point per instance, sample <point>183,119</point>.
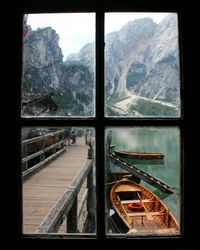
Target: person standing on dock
<point>67,134</point>
<point>73,136</point>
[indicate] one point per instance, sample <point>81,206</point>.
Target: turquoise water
<point>155,139</point>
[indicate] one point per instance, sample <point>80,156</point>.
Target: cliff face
<point>162,63</point>
<point>86,56</point>
<point>44,71</point>
<point>143,58</point>
<point>42,60</point>
<point>123,50</point>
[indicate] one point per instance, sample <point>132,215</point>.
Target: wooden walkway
<point>44,188</point>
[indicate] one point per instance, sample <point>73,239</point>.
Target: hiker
<point>73,136</point>
<point>67,134</point>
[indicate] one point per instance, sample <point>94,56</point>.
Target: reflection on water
<point>151,139</point>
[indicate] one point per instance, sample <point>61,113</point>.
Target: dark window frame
<point>100,122</point>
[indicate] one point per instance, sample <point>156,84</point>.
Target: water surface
<point>154,139</point>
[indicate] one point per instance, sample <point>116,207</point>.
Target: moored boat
<point>139,155</point>
<point>141,210</point>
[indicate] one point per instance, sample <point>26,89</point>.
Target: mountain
<point>44,71</point>
<point>141,70</point>
<point>143,58</point>
<point>42,60</point>
<point>124,49</point>
<point>86,56</point>
<point>162,81</point>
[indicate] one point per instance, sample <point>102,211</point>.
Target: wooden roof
<point>44,102</point>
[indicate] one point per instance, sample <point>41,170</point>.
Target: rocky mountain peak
<point>41,48</point>
<point>164,41</point>
<point>143,57</point>
<point>45,71</point>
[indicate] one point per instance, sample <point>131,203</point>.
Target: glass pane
<point>142,176</point>
<point>58,76</point>
<point>142,70</point>
<point>59,180</point>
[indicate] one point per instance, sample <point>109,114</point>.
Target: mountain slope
<point>45,71</point>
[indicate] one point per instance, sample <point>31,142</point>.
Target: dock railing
<point>56,147</point>
<point>67,205</point>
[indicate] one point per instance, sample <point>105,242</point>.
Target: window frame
<point>99,122</point>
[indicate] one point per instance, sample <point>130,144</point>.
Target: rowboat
<point>139,155</point>
<point>141,210</point>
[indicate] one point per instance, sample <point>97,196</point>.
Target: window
<point>58,76</point>
<point>101,94</point>
<point>143,181</point>
<point>142,71</point>
<point>59,180</point>
<point>58,162</point>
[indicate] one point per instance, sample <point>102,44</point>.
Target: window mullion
<point>100,122</point>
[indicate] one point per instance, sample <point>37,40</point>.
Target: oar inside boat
<point>140,209</point>
<point>124,211</point>
<point>149,216</point>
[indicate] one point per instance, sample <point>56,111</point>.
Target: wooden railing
<point>56,144</point>
<point>140,174</point>
<point>67,206</point>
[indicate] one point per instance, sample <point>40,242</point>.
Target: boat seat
<point>145,214</point>
<point>136,201</point>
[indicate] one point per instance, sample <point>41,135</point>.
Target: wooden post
<point>91,205</point>
<point>86,135</point>
<point>25,165</point>
<point>108,143</point>
<point>90,151</point>
<point>54,142</point>
<point>72,218</point>
<point>90,202</point>
<point>42,156</point>
<point>66,205</point>
<point>63,139</point>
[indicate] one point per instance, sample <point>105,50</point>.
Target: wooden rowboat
<point>141,210</point>
<point>139,155</point>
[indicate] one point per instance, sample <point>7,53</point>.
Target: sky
<point>77,29</point>
<point>115,21</point>
<point>74,29</point>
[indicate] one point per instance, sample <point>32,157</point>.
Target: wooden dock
<point>43,189</point>
<point>140,174</point>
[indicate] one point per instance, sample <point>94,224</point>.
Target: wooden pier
<point>55,196</point>
<point>140,174</point>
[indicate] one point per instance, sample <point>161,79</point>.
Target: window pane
<point>142,175</point>
<point>142,71</point>
<point>59,180</point>
<point>58,65</point>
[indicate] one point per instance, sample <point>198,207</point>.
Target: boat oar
<point>149,216</point>
<point>128,219</point>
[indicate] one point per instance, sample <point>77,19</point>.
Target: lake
<point>154,139</point>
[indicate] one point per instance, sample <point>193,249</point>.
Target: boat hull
<point>139,155</point>
<point>141,210</point>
